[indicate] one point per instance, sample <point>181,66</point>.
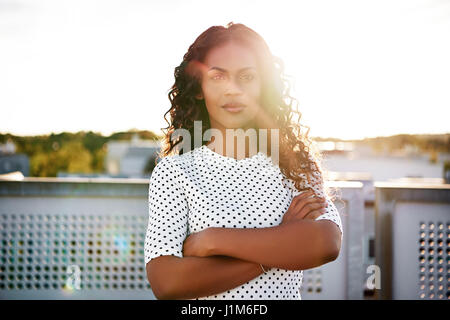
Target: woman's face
<point>231,86</point>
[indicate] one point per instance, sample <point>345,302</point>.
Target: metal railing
<point>82,238</point>
<point>412,246</point>
<point>344,277</point>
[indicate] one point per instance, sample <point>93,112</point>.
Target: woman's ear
<point>199,96</point>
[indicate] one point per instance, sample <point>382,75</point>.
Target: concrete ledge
<point>85,187</point>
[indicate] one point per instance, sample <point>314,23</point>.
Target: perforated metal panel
<point>73,241</point>
<point>434,260</point>
<point>312,282</point>
<point>412,240</point>
<point>421,251</point>
<point>78,240</point>
<point>49,255</point>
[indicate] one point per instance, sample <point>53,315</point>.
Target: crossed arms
<point>219,259</point>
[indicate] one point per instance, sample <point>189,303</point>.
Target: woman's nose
<point>233,88</point>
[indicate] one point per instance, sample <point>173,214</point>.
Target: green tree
<point>71,157</point>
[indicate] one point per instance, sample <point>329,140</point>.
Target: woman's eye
<point>247,77</point>
<point>218,77</point>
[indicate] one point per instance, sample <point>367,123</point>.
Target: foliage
<point>426,143</point>
<point>85,152</point>
<point>81,152</point>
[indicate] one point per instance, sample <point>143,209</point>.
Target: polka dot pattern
<point>202,189</point>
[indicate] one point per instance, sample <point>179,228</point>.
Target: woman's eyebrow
<point>225,71</point>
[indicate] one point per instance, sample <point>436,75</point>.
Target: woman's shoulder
<point>175,161</point>
<point>163,166</point>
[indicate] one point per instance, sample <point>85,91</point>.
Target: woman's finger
<point>307,200</point>
<point>304,194</point>
<point>313,215</point>
<point>287,215</point>
<point>299,206</point>
<point>294,201</point>
<point>312,203</point>
<point>301,197</point>
<point>311,207</point>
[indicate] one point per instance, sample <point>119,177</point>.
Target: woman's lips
<point>233,107</point>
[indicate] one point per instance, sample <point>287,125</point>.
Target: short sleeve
<point>317,185</point>
<point>168,212</point>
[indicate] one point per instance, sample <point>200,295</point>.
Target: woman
<point>244,227</point>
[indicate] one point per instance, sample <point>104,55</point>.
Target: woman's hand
<point>198,244</point>
<point>305,207</point>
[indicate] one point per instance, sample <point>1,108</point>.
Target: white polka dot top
<point>202,188</point>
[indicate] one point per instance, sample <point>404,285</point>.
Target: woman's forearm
<point>298,245</point>
<point>193,277</point>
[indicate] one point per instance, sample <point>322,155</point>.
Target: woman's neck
<point>236,143</point>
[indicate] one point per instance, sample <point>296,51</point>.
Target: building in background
<point>10,161</point>
<point>131,159</point>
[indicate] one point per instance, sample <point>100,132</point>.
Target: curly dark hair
<point>298,157</point>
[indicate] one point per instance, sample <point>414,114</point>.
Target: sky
<point>359,68</point>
